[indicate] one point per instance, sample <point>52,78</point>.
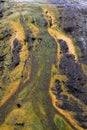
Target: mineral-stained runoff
<point>43,66</point>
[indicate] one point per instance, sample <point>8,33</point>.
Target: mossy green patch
<point>23,93</point>
<point>61,123</point>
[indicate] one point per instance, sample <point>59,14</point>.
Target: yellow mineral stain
<point>17,72</point>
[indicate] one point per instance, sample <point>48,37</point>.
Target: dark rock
<point>57,89</point>
<point>20,124</point>
<point>63,45</point>
<point>62,97</point>
<point>17,45</point>
<point>76,78</point>
<point>19,105</point>
<point>15,60</point>
<point>15,50</point>
<point>82,120</point>
<point>2,57</point>
<point>33,39</point>
<point>58,86</point>
<point>1,14</point>
<point>68,29</point>
<point>70,105</point>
